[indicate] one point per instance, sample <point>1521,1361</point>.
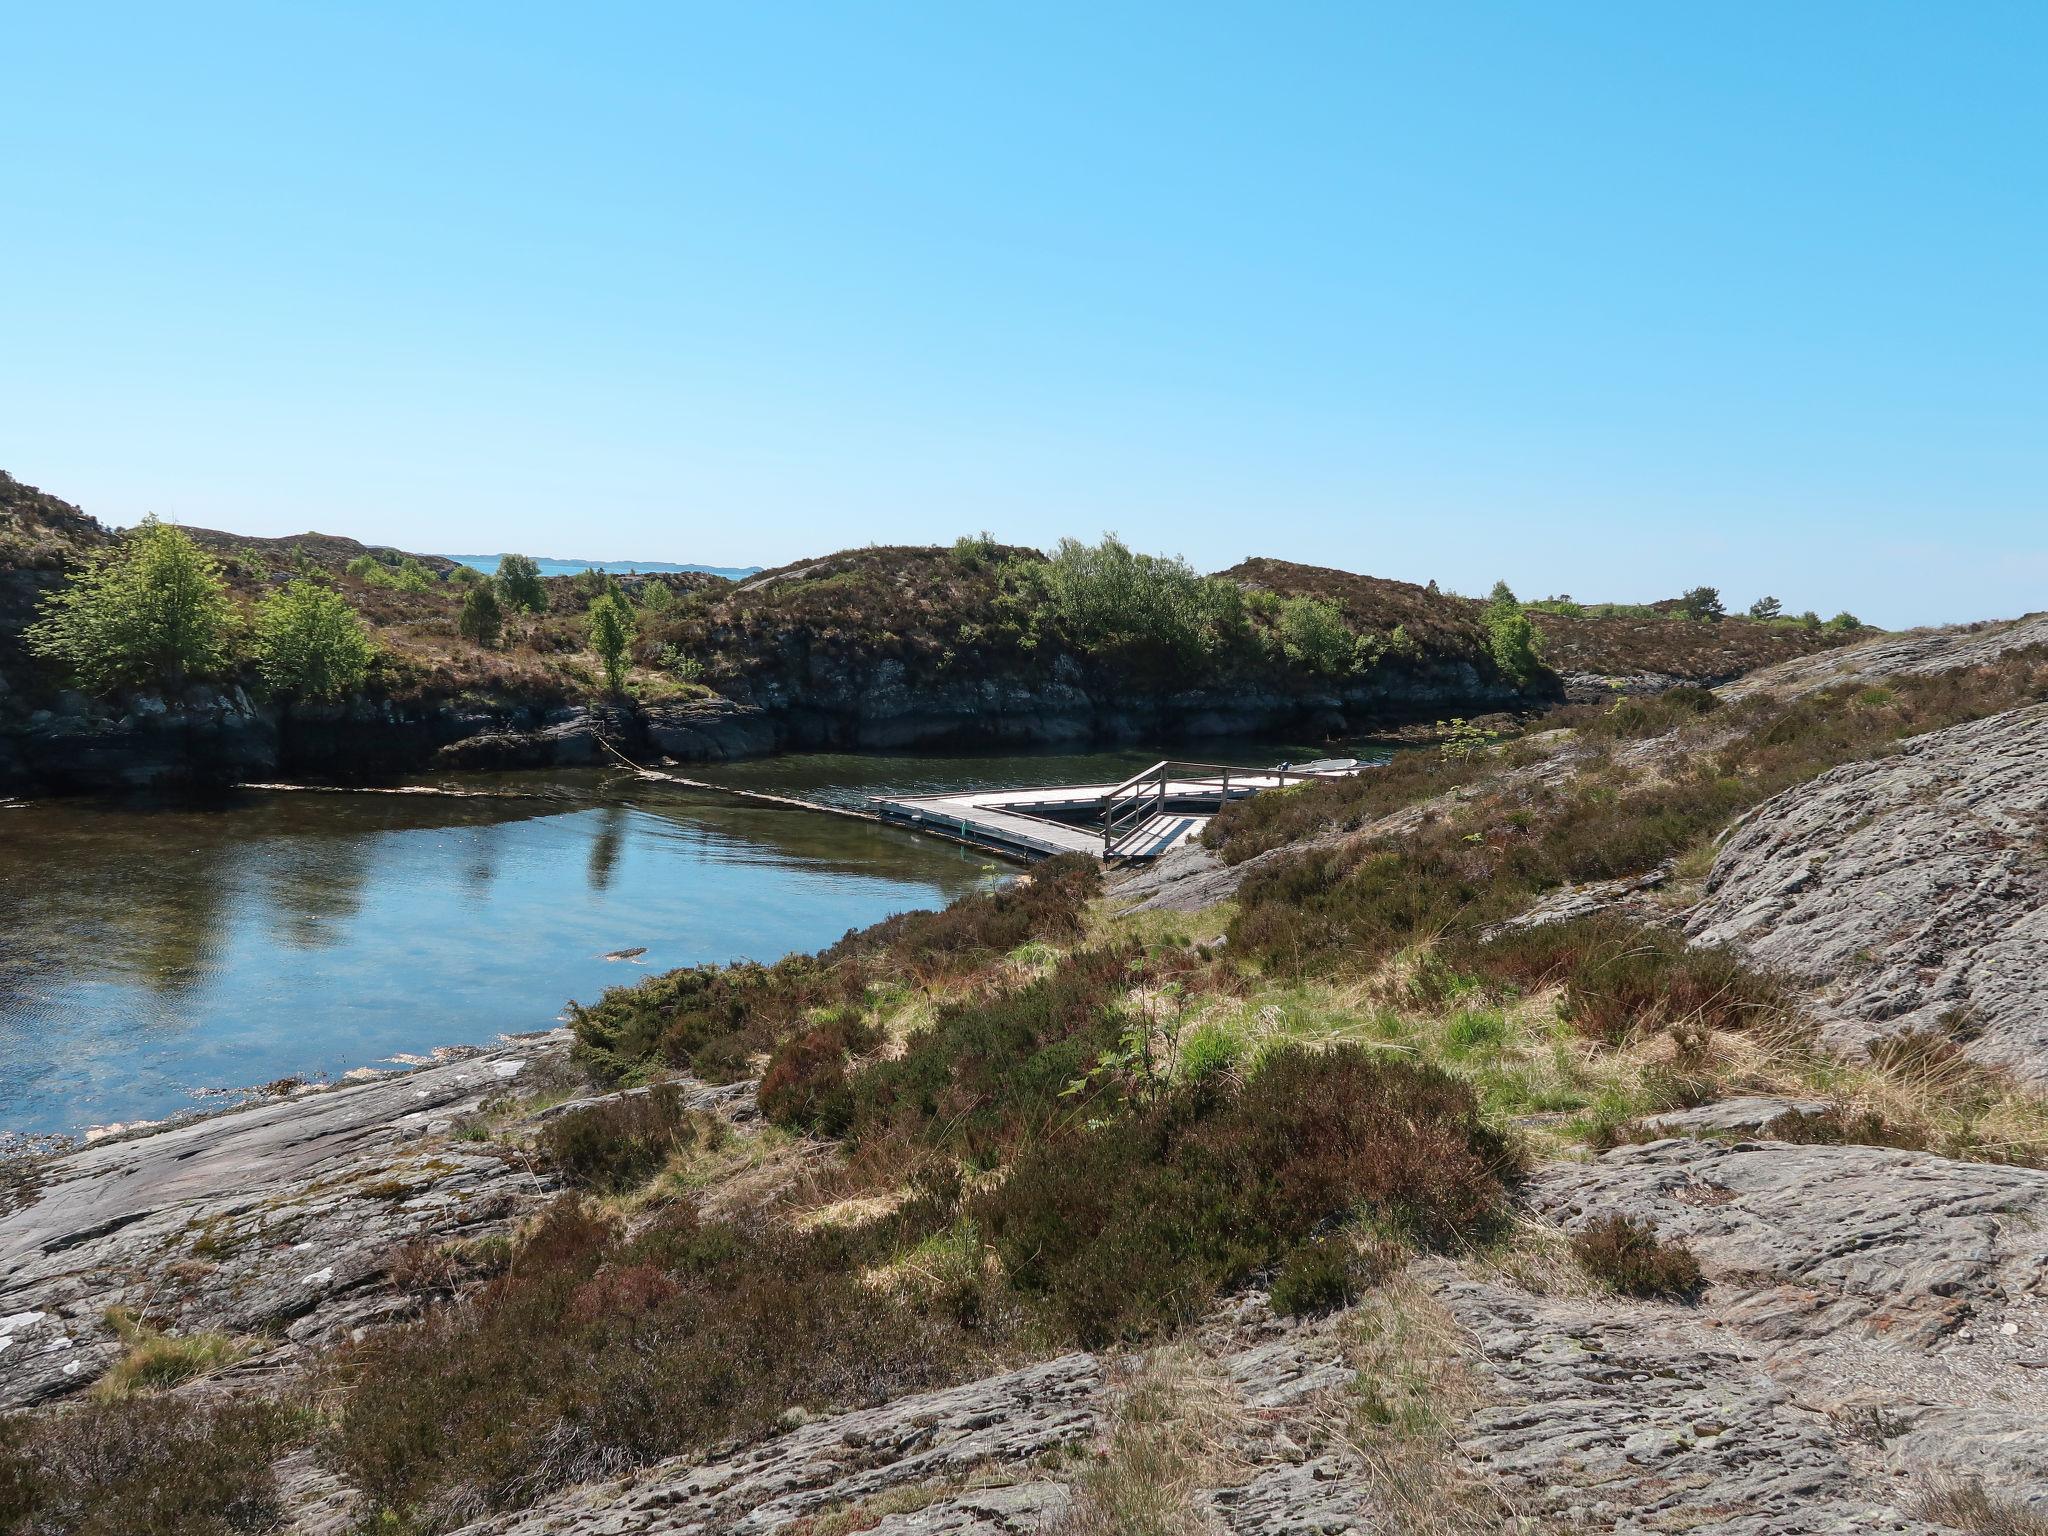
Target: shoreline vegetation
<point>319,658</point>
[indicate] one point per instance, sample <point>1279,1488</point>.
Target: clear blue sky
<point>1607,299</point>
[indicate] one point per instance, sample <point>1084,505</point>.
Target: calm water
<point>150,957</point>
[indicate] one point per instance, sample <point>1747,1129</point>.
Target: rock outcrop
<point>1903,1295</point>
<point>1910,892</point>
<point>273,1224</point>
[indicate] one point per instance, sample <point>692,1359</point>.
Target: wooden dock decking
<point>1143,817</point>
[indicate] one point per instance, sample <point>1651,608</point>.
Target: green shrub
<point>1314,636</point>
<point>1627,1255</point>
<point>1210,1050</point>
<point>976,551</point>
<point>1511,641</point>
<point>309,642</point>
<point>611,635</point>
<point>151,611</point>
<point>400,575</point>
<point>519,580</point>
<point>1113,604</point>
<point>618,1144</point>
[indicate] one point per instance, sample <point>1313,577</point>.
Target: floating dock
<point>1146,815</point>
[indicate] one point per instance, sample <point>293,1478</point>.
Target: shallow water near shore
<point>151,956</point>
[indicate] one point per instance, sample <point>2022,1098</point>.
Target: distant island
<point>488,564</point>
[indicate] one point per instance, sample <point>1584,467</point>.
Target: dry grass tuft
<point>1965,1504</point>
<point>1413,1389</point>
<point>1170,1439</point>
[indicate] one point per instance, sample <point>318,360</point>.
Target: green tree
<point>310,643</point>
<point>657,596</point>
<point>481,619</point>
<point>1766,608</point>
<point>152,610</point>
<point>1503,593</point>
<point>1313,634</point>
<point>611,636</point>
<point>1844,622</point>
<point>1511,637</point>
<point>519,581</point>
<point>1703,603</point>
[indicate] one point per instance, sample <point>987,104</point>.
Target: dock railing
<point>1145,793</point>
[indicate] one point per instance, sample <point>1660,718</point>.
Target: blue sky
<point>1606,299</point>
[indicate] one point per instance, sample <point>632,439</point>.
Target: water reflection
<point>148,953</point>
<point>145,954</point>
<point>605,845</point>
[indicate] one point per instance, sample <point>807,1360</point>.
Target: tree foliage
<point>1511,637</point>
<point>1766,608</point>
<point>482,618</point>
<point>404,575</point>
<point>150,611</point>
<point>519,581</point>
<point>1702,603</point>
<point>1313,634</point>
<point>310,643</point>
<point>1111,601</point>
<point>611,635</point>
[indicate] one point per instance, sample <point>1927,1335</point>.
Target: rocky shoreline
<point>215,736</point>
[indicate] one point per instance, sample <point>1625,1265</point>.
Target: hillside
<point>1661,643</point>
<point>880,647</point>
<point>1523,1138</point>
<point>40,532</point>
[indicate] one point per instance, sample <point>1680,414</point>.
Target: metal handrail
<point>1159,776</point>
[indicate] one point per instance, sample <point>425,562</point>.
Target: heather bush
<point>596,1353</point>
<point>1048,904</point>
<point>992,1071</point>
<point>1628,1256</point>
<point>1620,977</point>
<point>148,1466</point>
<point>1137,1224</point>
<point>805,1087</point>
<point>619,1143</point>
